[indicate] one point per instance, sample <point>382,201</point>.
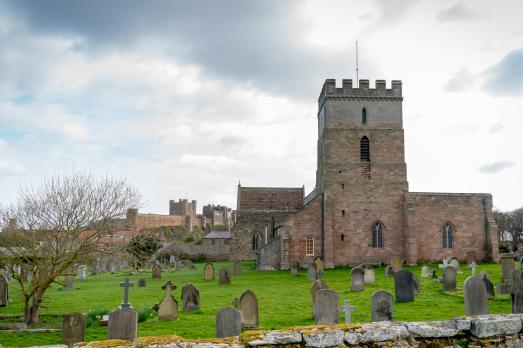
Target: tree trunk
<point>32,312</point>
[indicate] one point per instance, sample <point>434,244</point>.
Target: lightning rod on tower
<point>357,68</point>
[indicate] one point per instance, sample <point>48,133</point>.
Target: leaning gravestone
<point>4,291</point>
<point>326,309</point>
<point>225,276</point>
<point>357,279</point>
<point>516,290</point>
<point>295,268</point>
<point>142,283</point>
<point>389,272</point>
<point>507,266</point>
<point>382,306</point>
<point>237,269</point>
<point>190,298</point>
<point>475,296</point>
<point>317,286</point>
<point>208,271</point>
<point>168,309</point>
<point>489,286</point>
<point>318,260</point>
<point>228,323</point>
<point>73,329</point>
<point>404,286</point>
<point>425,272</point>
<point>449,278</point>
<point>312,272</point>
<point>249,310</point>
<point>157,271</point>
<point>395,262</point>
<point>369,277</point>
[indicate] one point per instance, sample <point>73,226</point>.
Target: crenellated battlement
<point>347,90</point>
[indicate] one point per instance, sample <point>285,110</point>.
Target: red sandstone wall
<point>269,198</point>
<point>299,226</point>
<point>157,220</point>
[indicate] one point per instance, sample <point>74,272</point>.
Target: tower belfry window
<point>364,149</point>
<point>364,116</point>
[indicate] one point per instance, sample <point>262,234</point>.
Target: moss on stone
<point>106,344</point>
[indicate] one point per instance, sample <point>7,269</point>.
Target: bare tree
<point>503,221</point>
<point>57,225</point>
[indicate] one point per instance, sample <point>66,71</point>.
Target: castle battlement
<point>329,89</point>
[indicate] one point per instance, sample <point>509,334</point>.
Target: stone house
<point>217,238</point>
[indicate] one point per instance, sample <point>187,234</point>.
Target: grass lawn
<point>284,300</point>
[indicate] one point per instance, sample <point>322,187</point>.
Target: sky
<point>186,99</point>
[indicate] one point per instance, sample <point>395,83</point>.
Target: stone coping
<point>483,330</point>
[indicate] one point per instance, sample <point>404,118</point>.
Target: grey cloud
<point>506,77</point>
<point>496,167</point>
<point>457,13</point>
<point>462,80</point>
<point>393,11</point>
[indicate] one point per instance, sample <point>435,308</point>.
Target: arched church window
<point>309,246</point>
<point>448,235</point>
<point>364,149</point>
<point>255,241</point>
<point>364,116</point>
<point>377,234</point>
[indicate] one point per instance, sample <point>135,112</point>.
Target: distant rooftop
<point>218,235</point>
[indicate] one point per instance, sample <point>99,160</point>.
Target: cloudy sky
<point>186,98</point>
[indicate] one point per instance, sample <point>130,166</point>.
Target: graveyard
<point>284,300</point>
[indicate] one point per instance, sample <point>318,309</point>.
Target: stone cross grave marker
<point>507,266</point>
<point>449,279</point>
<point>326,310</point>
<point>395,262</point>
<point>208,271</point>
<point>489,286</point>
<point>312,272</point>
<point>369,277</point>
<point>4,291</point>
<point>126,284</point>
<point>122,324</point>
<point>404,286</point>
<point>142,283</point>
<point>389,272</point>
<point>225,276</point>
<point>249,310</point>
<point>444,264</point>
<point>425,272</point>
<point>382,306</point>
<point>347,308</point>
<point>157,271</point>
<point>168,309</point>
<point>228,323</point>
<point>190,298</point>
<point>295,268</point>
<point>317,286</point>
<point>357,279</point>
<point>73,329</point>
<point>318,260</point>
<point>237,269</point>
<point>516,290</point>
<point>473,267</point>
<point>475,296</point>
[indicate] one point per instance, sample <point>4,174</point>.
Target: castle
<point>361,209</point>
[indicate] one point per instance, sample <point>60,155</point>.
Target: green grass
<point>284,300</point>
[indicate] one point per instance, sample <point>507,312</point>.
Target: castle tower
<point>361,174</point>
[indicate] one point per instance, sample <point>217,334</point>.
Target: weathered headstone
<point>470,256</point>
<point>516,290</point>
<point>434,274</point>
<point>249,310</point>
<point>357,279</point>
<point>317,286</point>
<point>326,309</point>
<point>454,262</point>
<point>4,291</point>
<point>416,284</point>
<point>122,324</point>
<point>82,272</point>
<point>449,279</point>
<point>73,329</point>
<point>208,271</point>
<point>142,283</point>
<point>382,306</point>
<point>346,309</point>
<point>489,286</point>
<point>369,277</point>
<point>395,262</point>
<point>318,260</point>
<point>389,272</point>
<point>68,283</point>
<point>425,272</point>
<point>225,276</point>
<point>190,298</point>
<point>312,272</point>
<point>168,309</point>
<point>228,323</point>
<point>475,296</point>
<point>157,271</point>
<point>295,268</point>
<point>507,266</point>
<point>404,286</point>
<point>237,269</point>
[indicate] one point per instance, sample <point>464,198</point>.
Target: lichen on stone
<point>106,344</point>
<point>150,340</point>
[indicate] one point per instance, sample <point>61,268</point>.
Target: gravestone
<point>416,284</point>
<point>126,284</point>
<point>404,286</point>
<point>318,260</point>
<point>82,272</point>
<point>346,309</point>
<point>516,290</point>
<point>425,272</point>
<point>295,268</point>
<point>507,266</point>
<point>225,276</point>
<point>489,286</point>
<point>168,309</point>
<point>454,262</point>
<point>228,322</point>
<point>473,267</point>
<point>190,298</point>
<point>157,271</point>
<point>389,272</point>
<point>142,283</point>
<point>357,279</point>
<point>395,262</point>
<point>68,282</point>
<point>237,270</point>
<point>369,277</point>
<point>434,274</point>
<point>449,279</point>
<point>470,256</point>
<point>122,324</point>
<point>249,310</point>
<point>475,296</point>
<point>4,291</point>
<point>317,286</point>
<point>73,329</point>
<point>312,272</point>
<point>208,271</point>
<point>326,310</point>
<point>382,306</point>
<point>188,264</point>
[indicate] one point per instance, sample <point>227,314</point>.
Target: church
<point>361,209</point>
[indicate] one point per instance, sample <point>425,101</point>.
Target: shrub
<point>94,316</point>
<point>144,314</point>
